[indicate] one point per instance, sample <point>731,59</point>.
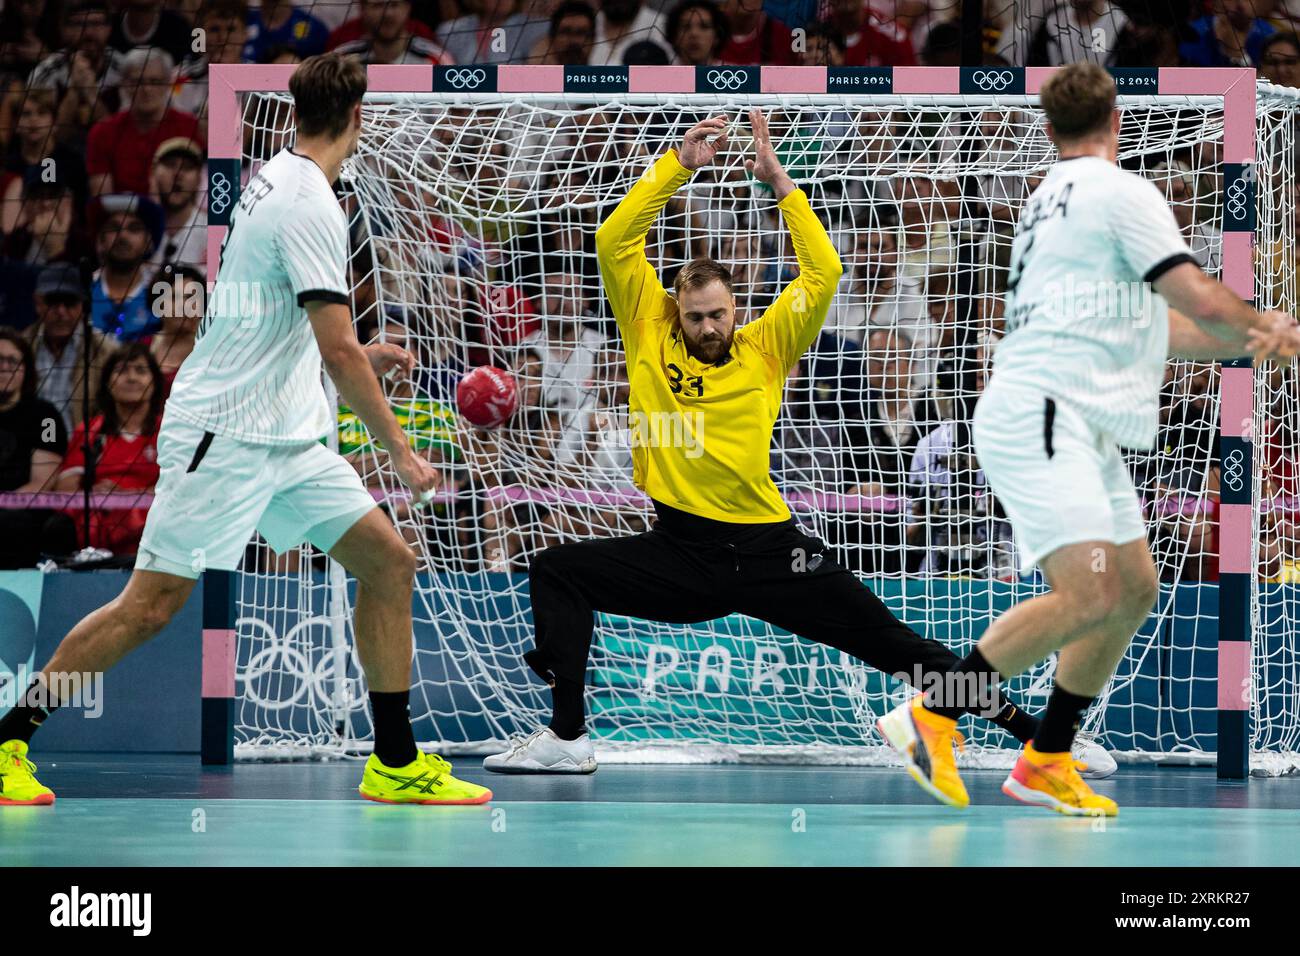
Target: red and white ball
<point>487,396</point>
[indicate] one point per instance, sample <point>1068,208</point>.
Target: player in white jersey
<point>1096,265</point>
<point>240,449</point>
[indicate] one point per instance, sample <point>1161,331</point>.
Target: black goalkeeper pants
<point>692,570</point>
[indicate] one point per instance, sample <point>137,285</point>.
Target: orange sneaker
<point>925,740</point>
<point>1053,781</point>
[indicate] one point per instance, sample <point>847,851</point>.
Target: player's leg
<point>816,598</point>
<point>320,498</point>
<point>1057,492</point>
<point>1045,775</point>
<point>205,504</point>
<point>99,640</point>
<point>654,576</point>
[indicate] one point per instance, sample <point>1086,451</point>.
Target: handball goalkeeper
<point>704,398</point>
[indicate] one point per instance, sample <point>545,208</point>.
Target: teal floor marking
<point>206,832</point>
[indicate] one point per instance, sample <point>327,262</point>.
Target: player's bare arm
<point>355,372</point>
<point>1209,321</point>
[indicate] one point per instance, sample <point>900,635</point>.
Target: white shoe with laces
<point>543,752</point>
<point>1097,761</point>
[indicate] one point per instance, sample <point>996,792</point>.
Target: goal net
<point>473,219</point>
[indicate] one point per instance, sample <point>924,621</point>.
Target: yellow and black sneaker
<point>426,780</point>
<point>18,784</point>
<point>925,740</point>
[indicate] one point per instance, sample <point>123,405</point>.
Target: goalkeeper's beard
<point>710,350</point>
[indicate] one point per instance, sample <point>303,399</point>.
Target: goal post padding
<point>469,178</point>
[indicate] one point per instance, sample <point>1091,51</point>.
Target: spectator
<point>620,24</point>
<point>1203,238</point>
<point>280,24</point>
<point>28,30</point>
<point>225,30</point>
<point>942,45</point>
<point>64,377</point>
<point>389,35</point>
<point>954,525</point>
<point>46,230</point>
<point>85,72</point>
<point>698,32</point>
<point>120,149</point>
<point>1232,36</point>
<point>875,296</point>
<point>569,352</point>
<point>823,393</point>
<point>823,46</point>
<point>33,435</point>
<point>144,23</point>
<point>36,149</point>
<point>127,228</point>
<point>118,452</point>
<point>1279,59</point>
<point>175,184</point>
<point>179,297</point>
<point>1071,32</point>
<point>358,27</point>
<point>493,33</point>
<point>1149,41</point>
<point>868,41</point>
<point>646,53</point>
<point>571,35</point>
<point>755,37</point>
<point>33,439</point>
<point>896,416</point>
<point>279,54</point>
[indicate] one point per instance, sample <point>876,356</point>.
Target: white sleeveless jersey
<point>1083,323</point>
<point>255,372</point>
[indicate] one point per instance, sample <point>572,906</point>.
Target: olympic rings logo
<point>1235,201</point>
<point>465,79</point>
<point>993,81</point>
<point>282,673</point>
<point>1234,470</point>
<point>219,193</point>
<point>726,79</point>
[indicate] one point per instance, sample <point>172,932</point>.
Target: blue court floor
<point>166,810</point>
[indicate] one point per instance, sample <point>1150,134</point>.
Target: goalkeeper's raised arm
<point>791,324</point>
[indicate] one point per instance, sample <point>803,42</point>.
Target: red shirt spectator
<point>755,38</point>
<point>869,41</point>
<point>123,444</point>
<point>121,147</point>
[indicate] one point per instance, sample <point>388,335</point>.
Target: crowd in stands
<point>103,272</point>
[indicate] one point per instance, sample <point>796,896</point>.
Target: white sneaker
<point>1097,760</point>
<point>543,752</point>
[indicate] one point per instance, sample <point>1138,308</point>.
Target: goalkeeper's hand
<point>765,166</point>
<point>703,142</point>
<point>390,360</point>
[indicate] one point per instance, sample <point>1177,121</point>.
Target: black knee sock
<point>1060,721</point>
<point>568,712</point>
<point>1016,722</point>
<point>390,712</point>
<point>966,689</point>
<point>28,715</point>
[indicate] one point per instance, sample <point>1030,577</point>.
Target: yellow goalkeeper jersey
<point>702,434</point>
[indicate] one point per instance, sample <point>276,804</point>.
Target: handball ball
<point>487,396</point>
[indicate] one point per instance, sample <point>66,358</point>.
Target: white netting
<point>473,244</point>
